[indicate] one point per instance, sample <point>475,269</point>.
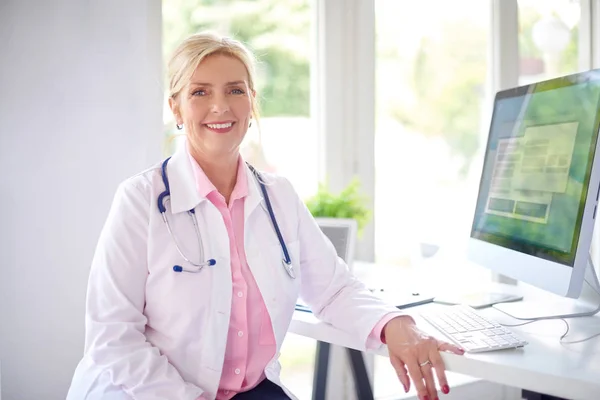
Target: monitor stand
<point>554,309</point>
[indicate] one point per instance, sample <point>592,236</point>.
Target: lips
<point>220,127</point>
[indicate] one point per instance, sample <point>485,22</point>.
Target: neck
<point>222,172</point>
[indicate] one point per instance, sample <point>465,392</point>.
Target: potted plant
<point>349,203</point>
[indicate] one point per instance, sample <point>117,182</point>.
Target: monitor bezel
<point>564,280</point>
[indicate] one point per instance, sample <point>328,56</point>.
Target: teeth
<point>219,126</point>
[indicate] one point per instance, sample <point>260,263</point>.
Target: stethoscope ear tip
<point>211,262</point>
<point>177,268</point>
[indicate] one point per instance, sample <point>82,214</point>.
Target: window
<point>432,96</point>
<point>548,39</point>
<point>281,36</point>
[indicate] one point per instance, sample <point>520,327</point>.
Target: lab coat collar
<point>185,196</point>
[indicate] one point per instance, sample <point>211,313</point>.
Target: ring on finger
<point>424,363</point>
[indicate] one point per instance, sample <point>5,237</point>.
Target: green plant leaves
<point>349,203</point>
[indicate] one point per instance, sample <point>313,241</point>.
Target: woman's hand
<point>414,353</point>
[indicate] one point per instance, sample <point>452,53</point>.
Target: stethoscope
<point>286,261</point>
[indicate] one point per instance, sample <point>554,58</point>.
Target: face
<point>215,107</point>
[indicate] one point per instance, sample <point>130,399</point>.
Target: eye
<point>199,92</point>
<point>237,91</point>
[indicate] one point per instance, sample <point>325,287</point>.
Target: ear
<point>174,105</point>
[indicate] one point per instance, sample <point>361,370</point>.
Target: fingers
<point>421,364</point>
<point>414,355</point>
<point>414,370</point>
<point>438,364</point>
<point>440,371</point>
<point>443,346</point>
<point>401,372</point>
<point>427,371</point>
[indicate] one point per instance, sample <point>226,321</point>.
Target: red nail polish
<point>445,389</point>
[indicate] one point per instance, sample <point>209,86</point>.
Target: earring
<point>179,127</point>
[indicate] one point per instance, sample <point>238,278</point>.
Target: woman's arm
<point>335,296</point>
<point>115,322</point>
<point>332,292</point>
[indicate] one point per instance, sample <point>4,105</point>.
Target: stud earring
<point>179,127</point>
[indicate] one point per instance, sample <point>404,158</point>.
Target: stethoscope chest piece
<point>289,268</point>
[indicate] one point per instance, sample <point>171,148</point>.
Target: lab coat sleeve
<point>334,295</point>
<point>115,323</point>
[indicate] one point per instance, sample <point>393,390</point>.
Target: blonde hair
<point>195,48</point>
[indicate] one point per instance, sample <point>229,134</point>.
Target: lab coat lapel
<point>184,194</point>
<point>257,258</point>
<point>254,198</point>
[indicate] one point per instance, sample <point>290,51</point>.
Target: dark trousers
<point>266,390</point>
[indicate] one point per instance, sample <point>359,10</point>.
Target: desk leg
<point>321,368</point>
<point>361,377</point>
<point>527,395</point>
<point>359,372</point>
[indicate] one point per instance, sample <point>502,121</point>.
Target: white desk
<point>570,371</point>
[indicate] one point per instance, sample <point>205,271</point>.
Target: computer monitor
<point>539,187</point>
<point>342,234</point>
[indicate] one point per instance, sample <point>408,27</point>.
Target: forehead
<point>220,68</point>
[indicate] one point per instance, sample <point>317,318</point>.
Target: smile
<point>220,127</point>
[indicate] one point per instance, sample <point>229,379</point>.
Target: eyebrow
<point>210,84</point>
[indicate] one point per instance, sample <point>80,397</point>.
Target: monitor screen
<point>537,167</point>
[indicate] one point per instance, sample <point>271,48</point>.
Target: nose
<point>219,105</point>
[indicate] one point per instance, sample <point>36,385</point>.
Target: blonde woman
<point>202,258</point>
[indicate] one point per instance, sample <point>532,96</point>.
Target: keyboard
<point>469,329</point>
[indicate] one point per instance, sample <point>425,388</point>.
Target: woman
<point>188,296</point>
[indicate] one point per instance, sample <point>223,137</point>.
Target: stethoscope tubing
<point>162,198</point>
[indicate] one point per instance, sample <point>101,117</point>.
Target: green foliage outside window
<point>447,77</point>
<point>276,31</point>
<point>448,84</point>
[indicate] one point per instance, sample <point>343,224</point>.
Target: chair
<point>341,232</point>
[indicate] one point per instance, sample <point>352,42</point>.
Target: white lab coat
<point>152,333</point>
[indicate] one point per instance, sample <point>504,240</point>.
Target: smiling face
<point>215,107</point>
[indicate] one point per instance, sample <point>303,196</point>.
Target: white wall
<point>80,110</point>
